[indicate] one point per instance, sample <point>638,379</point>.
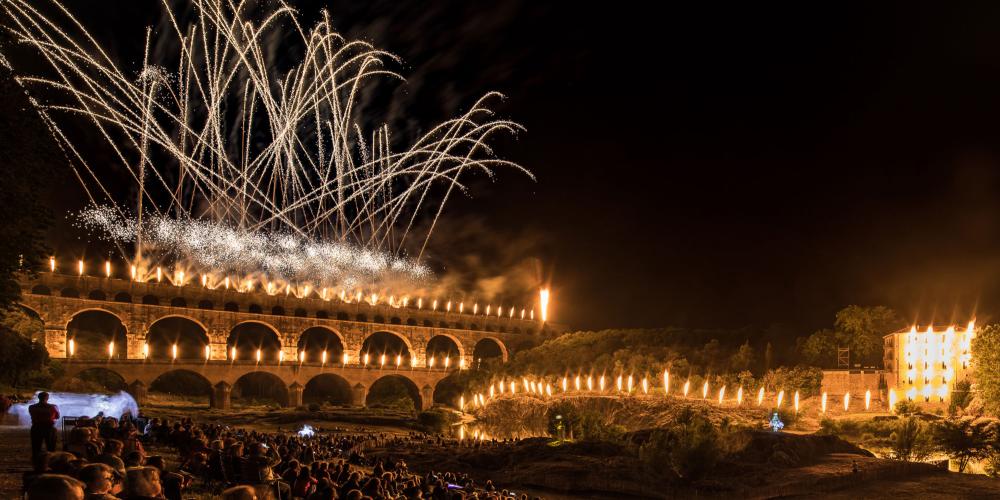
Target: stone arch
<point>248,336</point>
<point>97,295</point>
<point>388,390</point>
<point>448,390</point>
<point>123,297</point>
<point>150,300</point>
<point>260,385</point>
<point>389,343</point>
<point>488,348</point>
<point>189,334</point>
<point>69,292</point>
<point>99,378</point>
<point>231,307</point>
<point>182,383</point>
<point>41,290</point>
<point>178,302</point>
<point>442,345</point>
<point>92,330</point>
<point>314,340</point>
<point>328,388</point>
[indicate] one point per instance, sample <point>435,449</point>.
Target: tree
<point>963,440</point>
<point>820,348</point>
<point>743,359</point>
<point>910,441</point>
<point>19,356</point>
<point>986,353</point>
<point>862,329</point>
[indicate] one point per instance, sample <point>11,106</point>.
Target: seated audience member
<point>142,483</point>
<point>55,487</point>
<point>242,492</point>
<point>101,481</point>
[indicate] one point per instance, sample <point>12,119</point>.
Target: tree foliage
<point>858,328</point>
<point>963,440</point>
<point>986,354</point>
<point>911,440</point>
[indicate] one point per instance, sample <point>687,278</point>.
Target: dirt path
<point>15,460</point>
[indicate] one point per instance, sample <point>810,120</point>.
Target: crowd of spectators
<point>107,458</point>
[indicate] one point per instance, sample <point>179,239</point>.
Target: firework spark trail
<point>292,167</point>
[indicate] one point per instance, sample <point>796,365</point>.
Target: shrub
<point>805,379</point>
<point>436,420</point>
<point>963,440</point>
<point>907,407</point>
<point>910,441</point>
<point>694,449</point>
<point>960,397</point>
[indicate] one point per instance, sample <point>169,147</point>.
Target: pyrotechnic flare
<point>628,384</point>
<point>687,386</point>
<point>399,360</point>
<point>447,306</point>
<point>760,396</point>
<point>722,394</point>
<point>322,357</point>
<point>513,387</point>
<point>822,403</point>
<point>111,349</point>
<point>461,403</point>
<point>52,264</point>
<point>258,355</point>
<point>868,399</point>
<point>80,267</point>
<point>302,356</point>
<point>501,386</point>
<point>543,302</point>
<point>524,380</point>
<point>576,383</point>
<point>135,273</point>
<point>601,383</point>
<point>430,362</point>
<point>159,274</point>
<point>208,352</point>
<point>492,391</point>
<point>739,396</point>
<point>381,361</point>
<point>173,351</point>
<point>548,390</point>
<point>565,383</point>
<point>281,356</point>
<point>145,350</point>
<point>847,401</point>
<point>107,268</point>
<point>892,401</point>
<point>344,358</point>
<point>796,398</point>
<point>618,383</point>
<point>590,383</point>
<point>666,382</point>
<point>645,386</point>
<point>447,361</point>
<point>704,390</point>
<point>487,310</point>
<point>72,347</point>
<point>781,396</point>
<point>461,363</point>
<point>232,353</point>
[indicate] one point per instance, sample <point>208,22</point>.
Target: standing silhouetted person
<point>43,424</point>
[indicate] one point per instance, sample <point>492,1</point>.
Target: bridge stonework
<point>57,299</point>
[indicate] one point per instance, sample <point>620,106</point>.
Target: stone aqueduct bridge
<point>58,298</point>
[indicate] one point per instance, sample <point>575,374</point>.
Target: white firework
<point>239,166</point>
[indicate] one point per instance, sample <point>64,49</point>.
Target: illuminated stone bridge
<point>142,331</point>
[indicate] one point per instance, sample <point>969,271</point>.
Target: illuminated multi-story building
<point>923,365</point>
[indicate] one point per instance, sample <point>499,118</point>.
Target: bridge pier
<point>55,341</point>
<point>221,396</point>
<point>138,391</point>
<point>360,395</point>
<point>295,395</point>
<point>426,397</point>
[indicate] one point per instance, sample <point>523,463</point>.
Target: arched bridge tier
<point>223,375</point>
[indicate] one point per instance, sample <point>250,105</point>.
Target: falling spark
<point>281,356</point>
<point>628,384</point>
<point>159,274</point>
<point>366,359</point>
<point>135,273</point>
<point>501,386</point>
<point>302,356</point>
<point>447,361</point>
<point>381,361</point>
<point>430,362</point>
<point>399,360</point>
<point>492,390</point>
<point>565,383</point>
<point>618,383</point>
<point>576,383</point>
<point>461,403</point>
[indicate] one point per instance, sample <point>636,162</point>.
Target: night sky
<point>708,165</point>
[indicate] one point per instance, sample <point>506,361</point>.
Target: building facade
<point>923,365</point>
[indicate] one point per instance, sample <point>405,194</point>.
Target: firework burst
<point>239,166</point>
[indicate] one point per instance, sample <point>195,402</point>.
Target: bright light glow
<point>600,383</point>
<point>781,396</point>
<point>145,350</point>
<point>687,387</point>
<point>822,403</point>
<point>52,264</point>
<point>796,402</point>
<point>760,396</point>
<point>173,351</point>
<point>344,358</point>
<point>666,382</point>
<point>259,355</point>
<point>107,268</point>
<point>739,396</point>
<point>208,352</point>
<point>565,383</point>
<point>892,401</point>
<point>306,431</point>
<point>722,394</point>
<point>232,353</point>
<point>79,267</point>
<point>381,361</point>
<point>72,347</point>
<point>645,386</point>
<point>543,301</point>
<point>868,399</point>
<point>847,401</point>
<point>322,357</point>
<point>111,349</point>
<point>704,390</point>
<point>430,362</point>
<point>134,272</point>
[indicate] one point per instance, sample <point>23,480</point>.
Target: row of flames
<point>626,386</point>
<point>179,278</point>
<point>364,360</point>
